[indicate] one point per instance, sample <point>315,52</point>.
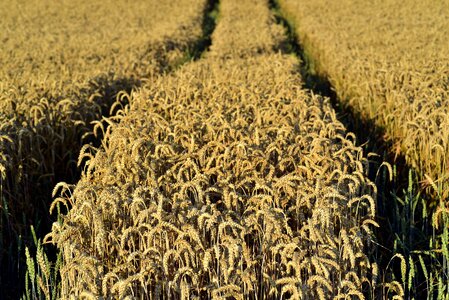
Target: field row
<point>388,61</point>
<point>61,67</point>
<point>223,179</point>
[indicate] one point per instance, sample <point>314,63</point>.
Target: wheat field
<point>177,151</point>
